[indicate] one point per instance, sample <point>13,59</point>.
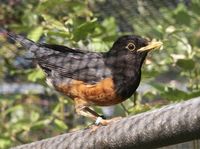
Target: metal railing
<point>169,125</point>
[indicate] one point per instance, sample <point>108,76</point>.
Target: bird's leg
<point>82,109</point>
<point>100,120</point>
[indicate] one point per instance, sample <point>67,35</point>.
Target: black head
<point>135,42</point>
<point>132,48</point>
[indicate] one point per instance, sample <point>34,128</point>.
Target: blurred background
<point>32,111</point>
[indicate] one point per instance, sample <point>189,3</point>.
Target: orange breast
<point>102,93</point>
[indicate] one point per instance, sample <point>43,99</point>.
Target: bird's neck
<point>127,82</point>
<point>126,72</point>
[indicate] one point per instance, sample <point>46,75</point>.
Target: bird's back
<point>60,62</point>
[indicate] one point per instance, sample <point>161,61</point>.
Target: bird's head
<point>133,47</point>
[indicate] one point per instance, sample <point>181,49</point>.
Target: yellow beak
<point>152,45</point>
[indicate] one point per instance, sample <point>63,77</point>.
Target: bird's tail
<point>27,43</point>
<point>32,47</point>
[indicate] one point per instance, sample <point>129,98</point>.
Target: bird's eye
<point>131,46</point>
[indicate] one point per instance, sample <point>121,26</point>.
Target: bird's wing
<point>74,64</point>
<point>65,62</point>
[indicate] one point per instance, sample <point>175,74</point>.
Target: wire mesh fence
<point>95,26</point>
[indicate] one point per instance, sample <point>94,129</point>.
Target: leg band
<point>98,120</point>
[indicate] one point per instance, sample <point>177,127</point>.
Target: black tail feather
<point>3,31</point>
<point>18,38</point>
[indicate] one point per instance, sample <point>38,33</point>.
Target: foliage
<point>180,54</point>
<point>29,117</point>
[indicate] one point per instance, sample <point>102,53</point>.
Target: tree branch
<point>166,126</point>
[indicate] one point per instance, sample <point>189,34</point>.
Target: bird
<point>92,78</point>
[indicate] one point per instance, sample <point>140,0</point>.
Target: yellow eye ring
<point>131,46</point>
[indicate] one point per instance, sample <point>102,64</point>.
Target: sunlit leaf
<point>35,75</point>
<point>36,33</point>
<point>60,124</point>
<point>34,116</point>
<point>53,23</point>
<point>41,124</point>
<point>5,142</point>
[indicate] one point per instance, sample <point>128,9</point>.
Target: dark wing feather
<point>63,62</point>
<point>62,49</point>
<point>79,65</point>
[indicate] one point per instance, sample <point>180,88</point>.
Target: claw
<point>93,128</point>
<point>109,121</point>
<point>104,122</point>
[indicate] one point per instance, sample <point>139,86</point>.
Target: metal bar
<point>169,125</point>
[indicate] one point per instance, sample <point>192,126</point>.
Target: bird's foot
<point>93,127</point>
<point>103,122</point>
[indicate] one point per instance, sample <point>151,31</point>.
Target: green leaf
<point>21,125</point>
<point>41,124</point>
<point>160,87</point>
<point>13,109</point>
<point>84,29</point>
<point>53,23</point>
<point>169,93</point>
<point>34,116</point>
<point>35,75</point>
<point>186,64</point>
<point>60,124</point>
<point>5,142</point>
<point>195,6</point>
<point>110,26</point>
<point>29,19</point>
<point>36,33</point>
<point>174,94</point>
<point>181,15</point>
<point>194,94</point>
<point>49,5</point>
